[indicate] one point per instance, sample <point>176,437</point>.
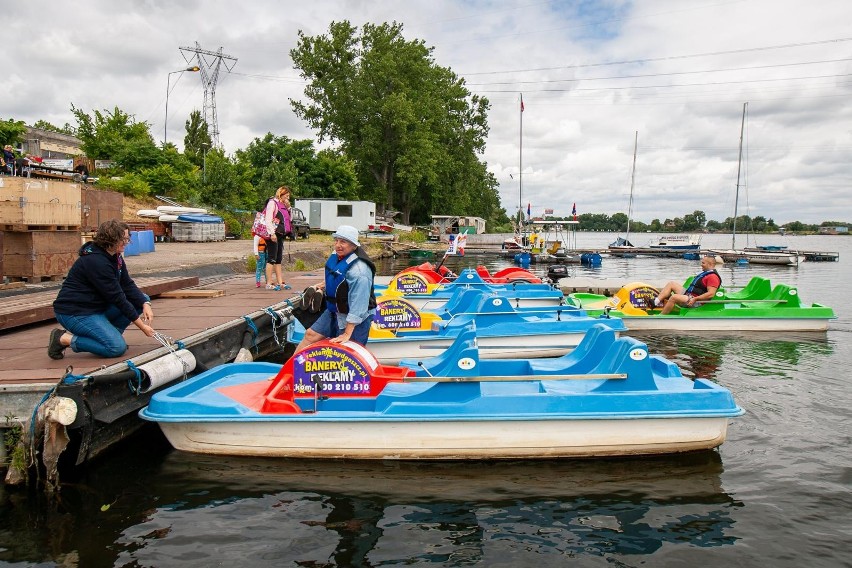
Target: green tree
<point>12,132</point>
<point>197,139</point>
<point>228,182</point>
<point>115,135</point>
<point>407,123</point>
<point>67,129</point>
<point>277,160</point>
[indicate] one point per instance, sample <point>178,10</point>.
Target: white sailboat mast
<point>737,193</point>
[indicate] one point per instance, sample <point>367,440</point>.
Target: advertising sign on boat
<point>411,284</point>
<point>396,314</point>
<point>340,372</point>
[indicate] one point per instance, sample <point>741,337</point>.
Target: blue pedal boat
<point>609,398</point>
<point>503,331</point>
<point>425,295</point>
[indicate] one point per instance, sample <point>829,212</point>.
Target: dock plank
<point>25,309</point>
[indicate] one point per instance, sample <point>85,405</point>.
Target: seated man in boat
<point>703,287</point>
<point>350,301</point>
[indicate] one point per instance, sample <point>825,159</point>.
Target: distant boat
<point>620,245</point>
<point>752,256</point>
<point>677,242</point>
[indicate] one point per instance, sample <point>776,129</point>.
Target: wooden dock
<point>28,372</point>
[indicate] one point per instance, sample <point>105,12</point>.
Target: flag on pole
<point>522,103</point>
<point>457,244</point>
<point>574,211</point>
<point>529,212</point>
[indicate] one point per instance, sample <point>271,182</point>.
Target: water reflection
<point>783,355</point>
<point>201,510</point>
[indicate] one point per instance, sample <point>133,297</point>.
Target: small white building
<point>328,214</point>
<point>452,224</point>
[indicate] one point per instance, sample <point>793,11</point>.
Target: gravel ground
<point>230,255</point>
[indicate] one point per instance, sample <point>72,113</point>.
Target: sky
<point>595,76</point>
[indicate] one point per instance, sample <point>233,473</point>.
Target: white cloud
<point>592,74</point>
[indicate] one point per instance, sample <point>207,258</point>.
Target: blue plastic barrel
<point>132,248</point>
<point>146,241</point>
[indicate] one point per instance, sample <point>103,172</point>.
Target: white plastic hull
<point>676,323</point>
<point>303,437</point>
<point>514,347</point>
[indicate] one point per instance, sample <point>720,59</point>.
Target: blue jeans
<point>326,326</point>
<point>100,334</point>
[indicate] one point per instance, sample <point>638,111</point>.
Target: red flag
<point>522,103</point>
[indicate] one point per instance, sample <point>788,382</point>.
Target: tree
<point>277,160</point>
<point>197,139</point>
<point>44,125</point>
<point>12,132</point>
<point>408,124</point>
<point>115,135</point>
<point>228,184</point>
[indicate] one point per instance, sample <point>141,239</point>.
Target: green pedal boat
<point>757,307</point>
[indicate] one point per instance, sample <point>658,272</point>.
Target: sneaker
<point>277,287</point>
<point>55,349</point>
<point>270,287</point>
<point>257,284</point>
<point>287,287</point>
<point>657,302</point>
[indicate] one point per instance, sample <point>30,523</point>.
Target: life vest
<point>336,287</point>
<point>697,287</point>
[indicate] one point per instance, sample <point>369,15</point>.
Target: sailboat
<point>752,255</point>
<point>622,246</point>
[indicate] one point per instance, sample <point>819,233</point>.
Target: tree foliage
<point>278,160</point>
<point>197,139</point>
<point>67,129</point>
<point>410,126</point>
<point>12,132</point>
<point>115,135</point>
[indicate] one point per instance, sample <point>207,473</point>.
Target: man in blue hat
<point>349,298</point>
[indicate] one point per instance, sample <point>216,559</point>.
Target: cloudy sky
<point>592,74</point>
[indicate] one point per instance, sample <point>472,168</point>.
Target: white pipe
<point>166,369</point>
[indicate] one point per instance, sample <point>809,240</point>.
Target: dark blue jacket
<point>96,281</point>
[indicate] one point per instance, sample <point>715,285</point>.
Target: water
<point>777,493</point>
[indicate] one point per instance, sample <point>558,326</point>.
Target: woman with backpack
<point>277,216</point>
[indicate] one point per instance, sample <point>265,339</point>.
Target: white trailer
<point>328,214</point>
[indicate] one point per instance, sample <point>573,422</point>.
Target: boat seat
<point>756,288</point>
<point>788,294</point>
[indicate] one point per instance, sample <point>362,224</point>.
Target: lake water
<point>777,493</point>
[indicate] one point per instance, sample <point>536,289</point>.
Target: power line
<point>667,58</point>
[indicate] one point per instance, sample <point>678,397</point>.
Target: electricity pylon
<point>210,63</point>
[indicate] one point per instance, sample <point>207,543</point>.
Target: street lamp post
<point>193,69</point>
<point>204,147</point>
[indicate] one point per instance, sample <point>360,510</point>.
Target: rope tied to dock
<point>137,375</point>
<point>254,332</point>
